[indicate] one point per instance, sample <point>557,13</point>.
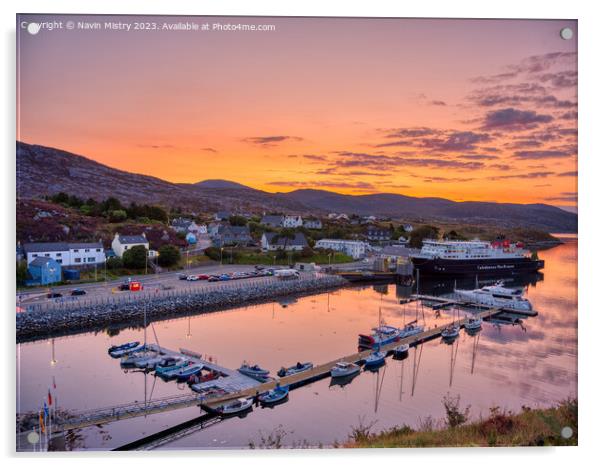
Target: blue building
<point>191,238</point>
<point>44,271</point>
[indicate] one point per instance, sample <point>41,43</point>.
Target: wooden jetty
<point>237,384</point>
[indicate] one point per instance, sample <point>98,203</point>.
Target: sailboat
<point>377,357</point>
<point>452,331</point>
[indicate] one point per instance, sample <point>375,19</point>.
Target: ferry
<point>497,296</point>
<point>482,258</point>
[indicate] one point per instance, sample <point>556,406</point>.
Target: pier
<point>236,384</point>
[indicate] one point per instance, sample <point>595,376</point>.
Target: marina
<point>182,404</point>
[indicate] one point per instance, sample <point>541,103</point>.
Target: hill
<point>45,171</point>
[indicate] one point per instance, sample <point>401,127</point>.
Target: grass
<point>529,427</point>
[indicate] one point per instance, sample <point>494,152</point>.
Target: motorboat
<point>375,359</point>
<point>234,407</point>
<point>274,396</point>
<point>497,296</point>
<point>183,374</point>
<point>344,369</point>
<point>410,329</point>
<point>473,324</point>
<point>450,332</point>
<point>171,371</point>
<point>125,346</point>
<point>299,367</point>
<point>139,359</point>
<point>401,350</point>
<point>253,371</point>
<point>119,353</point>
<point>381,335</point>
<point>169,363</point>
<point>200,378</point>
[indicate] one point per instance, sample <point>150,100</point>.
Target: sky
<point>481,110</point>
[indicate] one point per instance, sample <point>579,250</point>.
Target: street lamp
<point>221,256</point>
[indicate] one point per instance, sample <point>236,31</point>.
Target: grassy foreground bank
<point>530,427</point>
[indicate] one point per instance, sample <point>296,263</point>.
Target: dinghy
<point>299,367</point>
<point>253,371</point>
<point>171,367</point>
<point>183,374</point>
<point>273,396</point>
<point>235,407</point>
<point>125,351</point>
<point>375,359</point>
<point>401,350</point>
<point>125,346</point>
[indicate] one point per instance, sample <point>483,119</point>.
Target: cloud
<point>270,141</point>
<point>571,173</point>
<point>388,162</point>
<point>439,103</point>
<point>436,140</point>
<point>541,154</point>
<point>359,185</point>
<point>564,197</point>
<point>209,149</point>
<point>157,146</point>
<point>478,157</point>
<point>512,119</point>
<point>528,176</point>
<point>560,79</point>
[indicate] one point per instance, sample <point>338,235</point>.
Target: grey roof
<point>397,251</point>
<point>45,247</point>
<point>298,240</point>
<point>271,219</point>
<point>235,230</point>
<point>58,246</point>
<point>132,239</point>
<point>42,261</point>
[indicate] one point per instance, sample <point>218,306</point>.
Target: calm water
<point>533,364</point>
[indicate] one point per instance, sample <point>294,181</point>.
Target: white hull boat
<point>236,406</point>
<point>497,296</point>
<point>344,369</point>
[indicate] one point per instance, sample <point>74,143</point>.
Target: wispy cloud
<point>270,141</point>
<point>511,119</point>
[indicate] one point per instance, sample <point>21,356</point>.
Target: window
<point>97,249</point>
<point>76,250</point>
<point>47,255</point>
<point>77,260</point>
<point>58,254</point>
<point>125,247</point>
<point>86,250</point>
<point>60,261</point>
<point>90,259</point>
<point>34,255</point>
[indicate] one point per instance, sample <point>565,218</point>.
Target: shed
<point>44,271</point>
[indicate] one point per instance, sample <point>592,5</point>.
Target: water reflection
<point>511,362</point>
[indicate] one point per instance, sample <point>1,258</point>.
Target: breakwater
<point>85,315</point>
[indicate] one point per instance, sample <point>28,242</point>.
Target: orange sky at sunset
<point>461,109</point>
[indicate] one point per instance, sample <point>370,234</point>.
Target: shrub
<point>114,263</point>
<point>454,415</point>
<point>168,255</point>
<point>135,258</point>
<point>116,216</point>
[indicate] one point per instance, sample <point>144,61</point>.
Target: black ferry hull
<point>480,267</point>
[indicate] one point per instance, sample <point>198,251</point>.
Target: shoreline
<point>42,324</point>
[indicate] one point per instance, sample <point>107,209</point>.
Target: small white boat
<point>273,396</point>
<point>450,332</point>
<point>473,324</point>
<point>344,369</point>
<point>299,367</point>
<point>236,406</point>
<point>151,363</point>
<point>142,358</point>
<point>401,350</point>
<point>375,359</point>
<point>253,371</point>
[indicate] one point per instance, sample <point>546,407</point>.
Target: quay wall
<point>75,316</point>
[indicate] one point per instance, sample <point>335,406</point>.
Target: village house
<point>44,271</point>
<point>184,225</point>
<point>274,242</point>
<point>228,235</point>
<point>378,234</point>
<point>292,221</point>
<point>122,243</point>
<point>66,254</point>
<point>355,249</point>
<point>274,221</point>
<point>312,223</point>
<point>408,228</point>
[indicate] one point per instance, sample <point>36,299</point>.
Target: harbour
<point>425,375</point>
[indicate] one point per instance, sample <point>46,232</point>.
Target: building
<point>44,271</point>
<point>312,223</point>
<point>122,243</point>
<point>222,215</point>
<point>229,235</point>
<point>274,242</point>
<point>355,249</point>
<point>274,221</point>
<point>292,221</point>
<point>378,234</point>
<point>184,225</point>
<point>408,228</point>
<point>66,254</point>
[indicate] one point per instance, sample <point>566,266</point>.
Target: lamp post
<point>221,256</point>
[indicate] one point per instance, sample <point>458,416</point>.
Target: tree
<point>237,221</point>
<point>114,263</point>
<point>116,216</point>
<point>135,258</point>
<point>454,235</point>
<point>421,233</point>
<point>168,255</point>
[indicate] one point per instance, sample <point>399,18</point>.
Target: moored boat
<point>171,366</point>
<point>235,407</point>
<point>381,335</point>
<point>125,351</point>
<point>299,367</point>
<point>253,371</point>
<point>274,396</point>
<point>375,359</point>
<point>183,374</point>
<point>450,332</point>
<point>344,369</point>
<point>125,346</point>
<point>473,324</point>
<point>401,350</point>
<point>497,296</point>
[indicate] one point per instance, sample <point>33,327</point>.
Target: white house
<point>66,254</point>
<point>355,249</point>
<point>272,242</point>
<point>184,225</point>
<point>292,221</point>
<point>312,223</point>
<point>122,243</point>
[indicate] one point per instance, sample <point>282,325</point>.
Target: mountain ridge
<point>45,171</point>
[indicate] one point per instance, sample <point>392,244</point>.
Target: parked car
<point>213,278</point>
<point>192,278</point>
<point>182,276</point>
<point>203,277</point>
<point>78,292</point>
<point>259,267</point>
<point>124,287</point>
<point>225,277</point>
<point>53,294</point>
